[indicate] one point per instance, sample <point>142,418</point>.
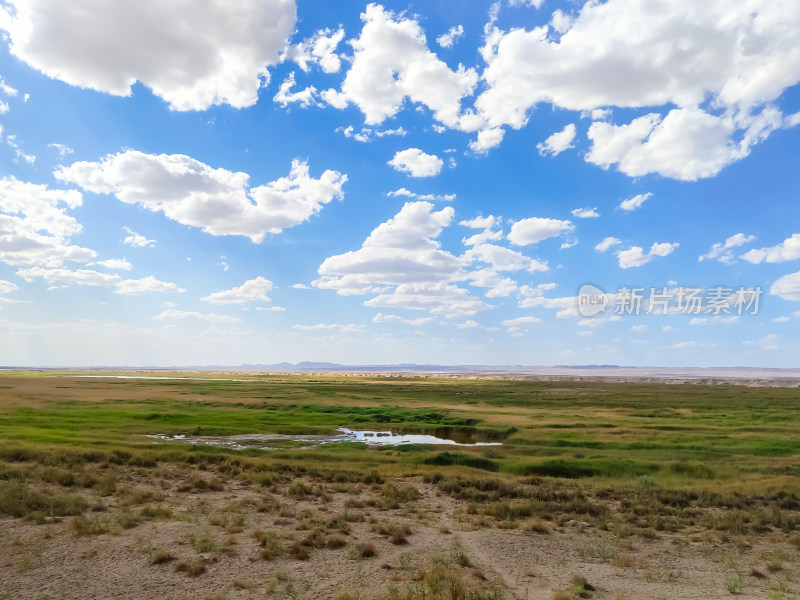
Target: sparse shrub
<point>271,545</point>
<point>536,525</point>
<point>161,557</point>
<point>299,488</point>
<point>192,569</point>
<point>734,583</point>
<point>460,557</point>
<point>156,511</point>
<point>399,494</point>
<point>580,587</point>
<point>203,543</point>
<point>397,534</point>
<point>336,541</point>
<point>300,552</point>
<point>366,550</point>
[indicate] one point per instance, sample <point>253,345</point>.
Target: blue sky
<point>426,182</point>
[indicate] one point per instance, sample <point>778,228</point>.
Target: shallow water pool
<point>266,441</point>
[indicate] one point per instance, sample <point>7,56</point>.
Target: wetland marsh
<point>638,490</point>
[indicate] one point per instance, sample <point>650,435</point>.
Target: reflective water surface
<point>272,440</point>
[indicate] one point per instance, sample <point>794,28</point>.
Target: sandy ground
<point>52,561</point>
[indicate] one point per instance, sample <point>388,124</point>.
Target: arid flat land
<point>597,489</point>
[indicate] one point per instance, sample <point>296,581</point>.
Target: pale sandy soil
<point>52,561</point>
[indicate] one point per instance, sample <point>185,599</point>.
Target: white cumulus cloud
<point>137,240</point>
<point>635,202</point>
<point>607,243</point>
<point>677,55</point>
<point>536,229</point>
<point>251,290</point>
<point>722,251</point>
<point>585,213</point>
<point>286,96</point>
<point>192,55</point>
<point>788,249</point>
<point>219,201</point>
<point>636,257</point>
<point>146,285</point>
<point>403,264</point>
<point>392,62</point>
<point>558,142</point>
<point>35,227</point>
<point>787,287</point>
<point>416,163</point>
<point>319,49</point>
<point>446,40</point>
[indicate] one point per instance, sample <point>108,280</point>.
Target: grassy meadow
<point>629,461</point>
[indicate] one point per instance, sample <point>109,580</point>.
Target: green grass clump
<point>447,459</point>
<point>17,499</point>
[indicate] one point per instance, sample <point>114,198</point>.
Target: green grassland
<point>665,456</point>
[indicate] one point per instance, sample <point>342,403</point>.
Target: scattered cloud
<point>787,287</point>
<point>250,291</point>
<point>716,320</point>
<point>338,328</point>
<point>19,153</point>
<point>487,224</point>
<point>536,229</point>
<point>416,163</point>
<point>770,341</point>
<point>403,264</point>
<point>173,314</point>
<point>304,97</point>
<point>367,134</point>
<point>502,259</point>
<point>585,213</point>
<point>35,227</point>
<point>7,286</point>
<point>146,285</point>
<point>117,264</point>
<point>69,277</point>
<point>487,139</point>
<point>61,149</point>
<point>529,3</point>
<point>620,53</point>
<point>636,257</point>
<point>392,62</point>
<point>607,243</point>
<point>789,249</point>
<point>319,49</point>
<point>558,142</point>
<point>520,322</point>
<point>722,251</point>
<point>687,144</point>
<point>635,202</point>
<point>91,277</point>
<point>430,197</point>
<point>446,40</point>
<point>137,240</point>
<point>219,201</point>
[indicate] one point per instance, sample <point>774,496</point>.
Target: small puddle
<point>267,441</point>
